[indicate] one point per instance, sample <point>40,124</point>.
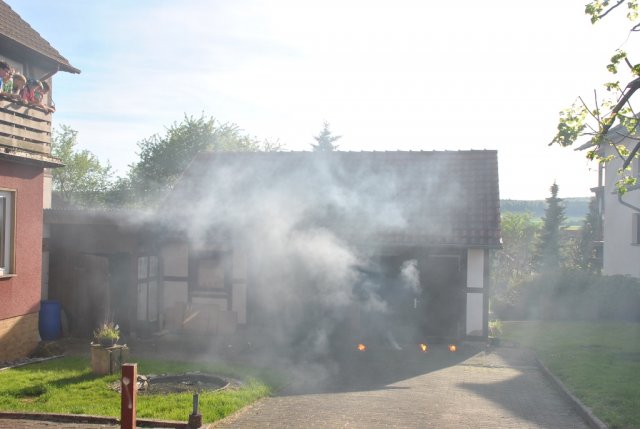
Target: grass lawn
<point>598,361</point>
<point>67,385</point>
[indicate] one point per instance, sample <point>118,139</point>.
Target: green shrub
<point>107,333</point>
<point>573,295</point>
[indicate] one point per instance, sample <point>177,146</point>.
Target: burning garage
<point>308,248</point>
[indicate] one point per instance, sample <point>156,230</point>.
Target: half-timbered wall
<point>475,319</point>
<point>204,291</point>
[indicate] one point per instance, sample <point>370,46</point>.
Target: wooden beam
<point>26,122</point>
<point>18,107</point>
<point>42,148</point>
<point>34,136</point>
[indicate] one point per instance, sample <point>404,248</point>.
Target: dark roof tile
<point>443,198</point>
<point>13,27</point>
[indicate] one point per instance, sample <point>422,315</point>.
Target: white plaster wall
<point>220,304</point>
<point>474,313</point>
<point>475,279</point>
<point>620,256</point>
<point>174,292</point>
<point>175,258</point>
<point>475,268</point>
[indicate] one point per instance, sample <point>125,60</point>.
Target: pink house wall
<point>20,293</point>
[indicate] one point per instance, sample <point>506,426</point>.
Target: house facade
<point>25,157</point>
<point>295,247</point>
<point>283,242</point>
<point>621,213</point>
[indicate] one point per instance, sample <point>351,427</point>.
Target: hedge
<point>572,295</point>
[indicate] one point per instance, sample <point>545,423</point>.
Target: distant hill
<point>575,208</point>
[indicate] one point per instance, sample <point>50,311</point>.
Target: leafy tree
<point>596,119</point>
<point>83,181</point>
<point>163,158</point>
<point>548,254</point>
<point>590,257</point>
<point>325,140</point>
<point>513,263</point>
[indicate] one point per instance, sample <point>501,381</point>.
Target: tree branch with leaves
<point>84,180</point>
<point>598,120</point>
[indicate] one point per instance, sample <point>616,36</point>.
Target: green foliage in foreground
<point>67,385</point>
<point>599,362</point>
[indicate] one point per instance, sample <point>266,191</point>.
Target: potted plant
<point>106,355</point>
<point>107,334</point>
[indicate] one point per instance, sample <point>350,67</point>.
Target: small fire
<point>424,347</point>
<point>362,347</point>
<point>452,348</point>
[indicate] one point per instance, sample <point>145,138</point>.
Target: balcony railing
<point>24,127</point>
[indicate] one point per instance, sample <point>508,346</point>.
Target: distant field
<point>575,208</point>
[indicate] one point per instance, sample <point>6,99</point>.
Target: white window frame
<point>635,228</point>
<point>7,229</point>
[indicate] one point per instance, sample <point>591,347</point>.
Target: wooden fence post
<point>128,385</point>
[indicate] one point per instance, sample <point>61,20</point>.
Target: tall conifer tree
<point>549,255</point>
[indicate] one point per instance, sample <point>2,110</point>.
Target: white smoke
<point>310,276</point>
<point>410,276</point>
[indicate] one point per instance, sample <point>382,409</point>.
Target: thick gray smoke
<point>311,227</point>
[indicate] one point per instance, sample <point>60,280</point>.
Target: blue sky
<point>387,75</point>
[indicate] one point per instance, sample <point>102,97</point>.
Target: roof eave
<point>22,157</point>
<point>61,62</point>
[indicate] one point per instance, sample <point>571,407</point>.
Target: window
<point>6,231</point>
<point>635,229</point>
<point>148,288</point>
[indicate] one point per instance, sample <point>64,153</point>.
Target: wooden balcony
<point>24,129</point>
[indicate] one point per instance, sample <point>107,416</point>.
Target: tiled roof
<point>13,27</point>
<point>447,198</point>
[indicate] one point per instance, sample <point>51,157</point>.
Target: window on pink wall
<point>7,203</point>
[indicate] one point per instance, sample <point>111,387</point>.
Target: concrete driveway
<point>474,388</point>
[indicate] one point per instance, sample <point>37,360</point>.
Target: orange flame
<point>362,347</point>
<point>423,347</point>
<point>452,348</point>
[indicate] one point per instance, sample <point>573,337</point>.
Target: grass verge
<point>67,385</point>
<point>598,361</point>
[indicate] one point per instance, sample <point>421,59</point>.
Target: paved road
<point>500,389</point>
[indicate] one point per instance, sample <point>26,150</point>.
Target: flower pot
<point>108,342</point>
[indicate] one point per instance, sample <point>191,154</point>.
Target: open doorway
<point>442,296</point>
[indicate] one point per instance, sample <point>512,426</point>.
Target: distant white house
<point>621,213</point>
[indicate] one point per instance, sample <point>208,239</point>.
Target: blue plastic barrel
<point>49,323</point>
